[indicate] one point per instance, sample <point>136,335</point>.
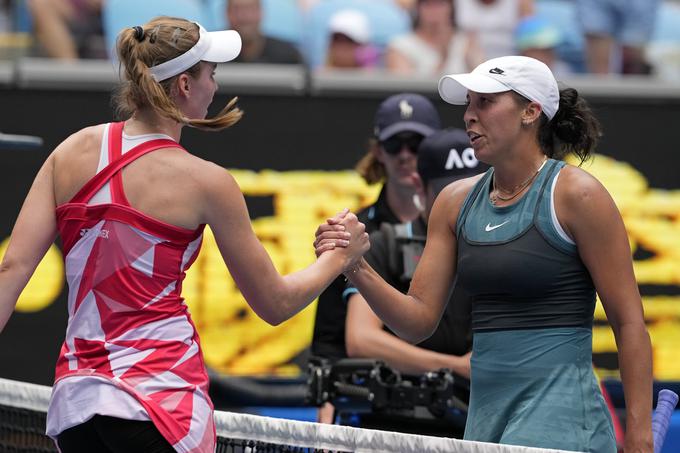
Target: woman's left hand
<point>331,234</point>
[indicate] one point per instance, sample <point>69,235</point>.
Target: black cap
<point>406,112</point>
<point>446,156</point>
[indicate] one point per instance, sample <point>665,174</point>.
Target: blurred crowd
<point>406,37</point>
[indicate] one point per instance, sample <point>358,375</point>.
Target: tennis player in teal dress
<point>532,321</point>
<point>533,241</point>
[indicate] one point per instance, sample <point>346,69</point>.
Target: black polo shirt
<point>328,340</point>
<point>275,51</point>
<point>454,334</point>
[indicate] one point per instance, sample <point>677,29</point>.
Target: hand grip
<point>661,418</point>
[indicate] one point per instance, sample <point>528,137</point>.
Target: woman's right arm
<point>415,316</point>
<point>33,234</point>
<point>273,297</point>
<point>365,337</point>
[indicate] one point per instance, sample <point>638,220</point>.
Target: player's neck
<point>145,121</point>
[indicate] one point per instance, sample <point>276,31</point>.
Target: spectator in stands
<point>68,29</point>
<point>617,32</point>
<point>349,41</point>
<point>245,16</point>
<point>493,22</point>
<point>537,38</point>
<point>435,46</point>
<point>443,157</point>
<point>306,5</point>
<point>401,123</point>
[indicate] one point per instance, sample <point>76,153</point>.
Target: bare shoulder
<point>583,204</point>
<point>83,141</point>
<point>76,158</point>
<point>450,200</point>
<point>576,186</point>
<point>221,199</point>
<point>215,182</point>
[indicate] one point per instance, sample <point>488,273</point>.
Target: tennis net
<point>23,412</point>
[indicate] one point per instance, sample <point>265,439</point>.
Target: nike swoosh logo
<point>488,226</point>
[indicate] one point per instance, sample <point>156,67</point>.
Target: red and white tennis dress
<point>131,349</point>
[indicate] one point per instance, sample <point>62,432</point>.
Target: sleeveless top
<point>131,349</point>
<point>517,263</point>
<point>426,60</point>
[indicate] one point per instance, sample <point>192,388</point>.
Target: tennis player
<point>130,205</point>
<point>532,240</point>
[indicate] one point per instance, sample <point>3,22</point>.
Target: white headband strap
<point>184,61</point>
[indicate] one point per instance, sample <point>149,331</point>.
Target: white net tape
<point>292,432</point>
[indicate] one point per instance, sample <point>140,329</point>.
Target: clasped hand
<point>345,234</point>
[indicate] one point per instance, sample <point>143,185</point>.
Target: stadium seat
<point>663,50</point>
<point>562,13</point>
<point>386,20</point>
<point>21,16</point>
<point>118,14</point>
<point>667,23</point>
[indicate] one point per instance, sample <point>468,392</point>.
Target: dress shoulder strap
<point>470,199</point>
<point>121,161</point>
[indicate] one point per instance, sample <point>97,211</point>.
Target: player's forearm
<point>300,288</point>
<point>401,355</point>
<point>635,362</point>
<point>405,315</point>
<point>12,281</point>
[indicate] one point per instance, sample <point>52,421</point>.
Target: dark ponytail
<point>573,130</point>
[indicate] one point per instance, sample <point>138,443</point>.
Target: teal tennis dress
<point>532,380</point>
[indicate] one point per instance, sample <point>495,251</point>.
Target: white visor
<point>526,76</point>
<point>214,47</point>
<point>453,88</point>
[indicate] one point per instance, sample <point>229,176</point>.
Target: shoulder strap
<point>554,165</point>
<point>470,200</point>
<point>102,177</point>
<point>116,152</point>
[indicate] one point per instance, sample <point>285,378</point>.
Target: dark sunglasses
<point>394,144</point>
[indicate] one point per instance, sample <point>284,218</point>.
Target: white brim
<point>453,88</point>
<point>215,47</point>
<point>405,126</point>
<point>225,45</point>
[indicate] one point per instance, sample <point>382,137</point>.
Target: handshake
<point>344,234</point>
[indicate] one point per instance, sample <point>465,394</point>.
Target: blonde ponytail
<point>160,40</point>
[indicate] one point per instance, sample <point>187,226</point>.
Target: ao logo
<point>466,159</point>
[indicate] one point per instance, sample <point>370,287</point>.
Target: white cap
<point>526,76</point>
<point>214,46</point>
<point>351,23</point>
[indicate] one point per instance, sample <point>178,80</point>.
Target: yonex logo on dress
<point>101,233</point>
<point>489,227</point>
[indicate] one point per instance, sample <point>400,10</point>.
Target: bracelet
<point>353,270</point>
